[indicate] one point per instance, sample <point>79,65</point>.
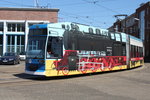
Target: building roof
<point>143,6</point>
<point>29,9</point>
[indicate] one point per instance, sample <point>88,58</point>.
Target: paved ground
<point>124,85</point>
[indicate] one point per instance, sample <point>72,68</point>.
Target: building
<point>143,14</point>
<point>138,25</point>
<point>128,25</point>
<point>14,26</point>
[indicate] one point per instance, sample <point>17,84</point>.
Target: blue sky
<point>92,12</point>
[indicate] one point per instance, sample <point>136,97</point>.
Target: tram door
<point>109,49</point>
<point>117,50</point>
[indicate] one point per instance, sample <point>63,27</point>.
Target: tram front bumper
<point>35,73</point>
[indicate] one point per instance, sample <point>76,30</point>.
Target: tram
<point>67,48</point>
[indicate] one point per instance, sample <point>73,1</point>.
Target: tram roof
<point>82,28</point>
<point>68,25</point>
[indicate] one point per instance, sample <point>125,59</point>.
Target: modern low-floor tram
<point>67,48</point>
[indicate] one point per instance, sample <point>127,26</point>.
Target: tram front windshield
<point>36,47</point>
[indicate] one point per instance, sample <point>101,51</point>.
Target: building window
<point>20,27</point>
<point>1,45</point>
<point>1,26</point>
<point>16,43</point>
<point>20,44</point>
<point>16,27</point>
<point>10,43</point>
<point>142,24</point>
<point>130,30</point>
<point>147,11</point>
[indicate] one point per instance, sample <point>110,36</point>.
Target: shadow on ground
<point>44,78</point>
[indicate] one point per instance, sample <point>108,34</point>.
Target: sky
<point>99,13</point>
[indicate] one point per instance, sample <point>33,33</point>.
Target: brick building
<point>14,26</point>
<point>138,25</point>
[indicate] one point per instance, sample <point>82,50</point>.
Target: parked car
<point>22,56</point>
<point>10,58</point>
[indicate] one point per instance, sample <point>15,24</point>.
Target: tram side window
<point>135,51</point>
<point>105,34</point>
<point>132,51</point>
<point>138,53</point>
<point>90,30</point>
<point>118,37</point>
<point>117,49</point>
<point>112,36</point>
<point>123,49</point>
<point>141,51</point>
<point>98,32</point>
<point>63,26</point>
<point>54,47</point>
<point>38,32</point>
<point>134,47</point>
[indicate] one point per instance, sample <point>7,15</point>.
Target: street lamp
<point>136,19</point>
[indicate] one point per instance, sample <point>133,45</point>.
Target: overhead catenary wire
<point>18,4</point>
<point>84,18</point>
<point>70,4</point>
<point>75,17</point>
<point>95,2</point>
<point>88,19</point>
